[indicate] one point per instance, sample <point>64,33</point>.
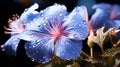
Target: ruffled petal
<point>10,47</point>
<point>75,26</point>
<point>40,50</point>
<point>29,14</point>
<point>101,17</point>
<point>48,18</point>
<point>68,49</point>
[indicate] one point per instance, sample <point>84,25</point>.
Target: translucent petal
<point>10,47</point>
<point>40,50</point>
<point>68,49</point>
<point>75,26</point>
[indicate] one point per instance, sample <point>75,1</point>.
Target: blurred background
<point>10,7</point>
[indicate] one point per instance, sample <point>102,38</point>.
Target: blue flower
<point>101,17</point>
<point>105,15</point>
<point>115,12</point>
<point>58,32</point>
<point>115,16</point>
<point>17,28</point>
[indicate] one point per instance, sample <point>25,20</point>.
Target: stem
<point>85,54</point>
<point>102,50</point>
<point>91,52</point>
<point>111,39</point>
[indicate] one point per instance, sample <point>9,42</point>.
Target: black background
<point>10,7</point>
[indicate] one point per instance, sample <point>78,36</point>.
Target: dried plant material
<point>113,51</point>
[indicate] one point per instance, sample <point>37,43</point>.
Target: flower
<point>115,16</point>
<point>59,33</point>
<point>101,17</point>
<point>106,15</point>
<point>17,29</point>
<point>115,12</point>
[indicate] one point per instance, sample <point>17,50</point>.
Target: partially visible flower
<point>106,15</point>
<point>17,27</point>
<point>58,33</point>
<point>101,17</point>
<point>115,16</point>
<point>115,12</point>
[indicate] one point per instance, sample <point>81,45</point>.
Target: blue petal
<point>103,6</point>
<point>48,17</point>
<point>115,12</point>
<point>29,14</point>
<point>67,48</point>
<point>29,35</point>
<point>40,50</point>
<point>116,24</point>
<point>10,47</point>
<point>75,26</point>
<point>108,26</point>
<point>101,18</point>
<point>55,13</point>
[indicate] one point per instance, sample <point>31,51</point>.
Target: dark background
<point>10,7</point>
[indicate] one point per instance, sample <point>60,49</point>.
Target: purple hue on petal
<point>40,50</point>
<point>115,12</point>
<point>75,26</point>
<point>67,48</point>
<point>10,47</point>
<point>101,17</point>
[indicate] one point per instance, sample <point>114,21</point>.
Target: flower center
<point>56,31</point>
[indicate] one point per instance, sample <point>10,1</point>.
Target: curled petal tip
<point>83,12</point>
<point>34,6</point>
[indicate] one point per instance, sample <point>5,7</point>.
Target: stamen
<point>15,26</point>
